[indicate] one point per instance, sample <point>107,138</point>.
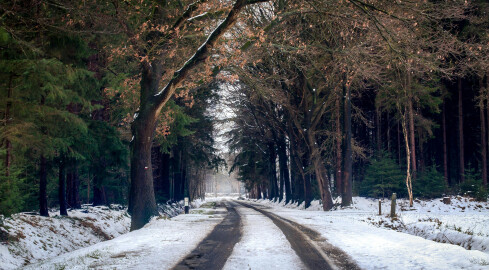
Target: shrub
<point>382,178</point>
<point>429,184</point>
<point>472,186</point>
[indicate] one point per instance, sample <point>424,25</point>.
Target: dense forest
<point>114,101</point>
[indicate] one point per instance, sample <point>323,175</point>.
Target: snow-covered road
<point>165,242</point>
<point>262,246</point>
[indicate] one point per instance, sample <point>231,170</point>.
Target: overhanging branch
<point>160,99</point>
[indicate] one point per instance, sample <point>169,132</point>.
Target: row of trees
<point>70,80</point>
<point>392,94</point>
<point>322,87</point>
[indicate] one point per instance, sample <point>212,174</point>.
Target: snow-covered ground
<point>263,248</point>
<point>29,238</point>
<point>375,242</point>
<point>159,245</point>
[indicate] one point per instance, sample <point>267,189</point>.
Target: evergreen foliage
<point>430,184</point>
<point>11,196</point>
<point>382,178</point>
<point>472,186</point>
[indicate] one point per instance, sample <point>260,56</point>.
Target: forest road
<point>313,250</point>
<point>213,252</point>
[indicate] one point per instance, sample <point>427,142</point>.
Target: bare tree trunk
<point>284,169</point>
<point>320,170</point>
<point>62,188</point>
<point>398,144</point>
<point>43,200</point>
<point>411,125</point>
<point>461,134</point>
<point>339,174</point>
<point>347,196</point>
<point>445,154</point>
<point>272,157</point>
<point>378,129</point>
<point>388,134</point>
<point>483,133</point>
<point>408,167</point>
<point>487,114</point>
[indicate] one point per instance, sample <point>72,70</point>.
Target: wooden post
<point>393,205</point>
<point>186,205</point>
<point>380,207</point>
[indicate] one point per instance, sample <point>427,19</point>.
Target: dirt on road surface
<point>311,248</point>
<point>213,252</point>
<point>309,245</point>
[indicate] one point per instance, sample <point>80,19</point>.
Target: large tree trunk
<point>43,200</point>
<point>272,171</point>
<point>461,134</point>
<point>321,175</point>
<point>445,153</point>
<point>62,189</point>
<point>284,169</point>
<point>338,139</point>
<point>347,195</point>
<point>73,190</point>
<point>142,203</point>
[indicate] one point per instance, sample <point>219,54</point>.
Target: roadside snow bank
<point>463,222</point>
<point>389,245</point>
<point>159,245</point>
<point>27,238</point>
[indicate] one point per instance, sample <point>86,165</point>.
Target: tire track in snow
<point>262,246</point>
<point>314,251</point>
<point>213,252</point>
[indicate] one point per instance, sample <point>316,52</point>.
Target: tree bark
<point>461,134</point>
<point>62,188</point>
<point>321,175</point>
<point>347,195</point>
<point>487,115</point>
<point>284,169</point>
<point>445,153</point>
<point>398,144</point>
<point>272,171</point>
<point>411,125</point>
<point>483,134</point>
<point>388,134</point>
<point>408,167</point>
<point>43,200</point>
<point>74,187</point>
<point>378,120</point>
<point>338,137</point>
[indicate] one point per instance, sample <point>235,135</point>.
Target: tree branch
<point>160,99</point>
